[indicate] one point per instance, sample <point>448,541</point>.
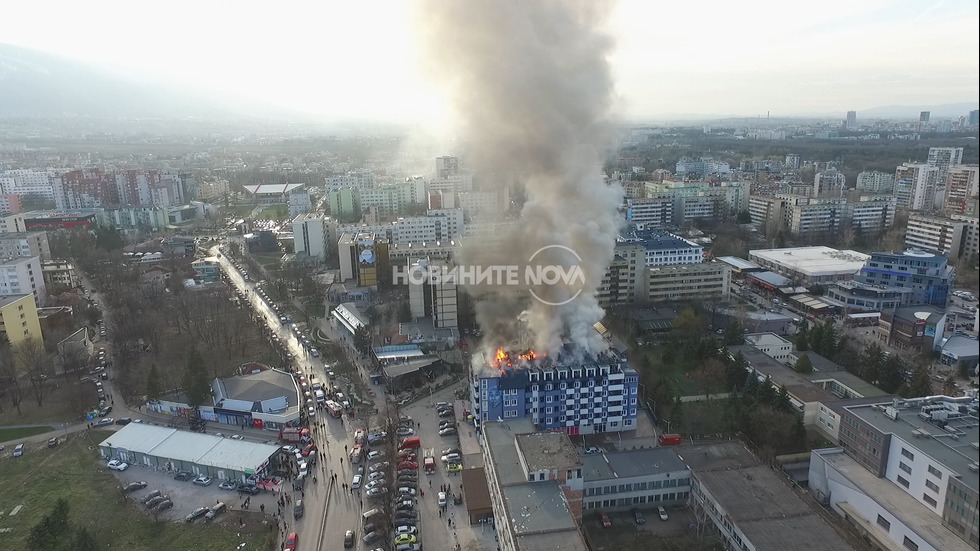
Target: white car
<point>356,483</point>
<point>377,475</point>
<point>117,465</point>
<point>451,458</point>
<point>375,484</point>
<point>375,454</point>
<point>406,530</point>
<point>237,437</point>
<point>442,499</point>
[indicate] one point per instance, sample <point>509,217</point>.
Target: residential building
<point>10,204</point>
<point>745,504</point>
<point>434,298</point>
<point>652,212</point>
<point>299,202</point>
<point>943,158</point>
<point>18,318</point>
<point>661,248</point>
<point>829,183</point>
<point>452,223</point>
<point>792,161</point>
<point>311,237</point>
<point>344,202</point>
<point>703,280</point>
<point>60,273</point>
<point>33,243</point>
<point>688,167</point>
<point>148,188</point>
<point>358,179</point>
<point>212,191</point>
<point>811,265</point>
<point>475,203</point>
<point>152,218</point>
<point>851,122</point>
<point>892,279</point>
<point>567,392</point>
<point>22,275</point>
<point>28,183</point>
<point>934,233</point>
<point>691,201</point>
<point>84,188</point>
<point>446,166</point>
<point>915,185</point>
<point>767,212</point>
<point>870,215</point>
<point>912,328</point>
<point>630,479</point>
<point>962,184</point>
<point>875,182</point>
<point>771,345</point>
<point>970,246</point>
<point>922,460</point>
<point>535,485</point>
<point>816,218</point>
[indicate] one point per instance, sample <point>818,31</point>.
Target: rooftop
<point>630,464</point>
<point>739,263</point>
<point>539,508</point>
<point>796,384</point>
<point>772,278</point>
<point>962,346</point>
<point>203,449</point>
<point>268,391</point>
<point>476,490</point>
<point>271,189</point>
<point>754,498</point>
<point>547,450</point>
<point>654,240</point>
<point>946,434</point>
<point>10,299</point>
<point>499,438</point>
<point>767,339</point>
<point>909,511</point>
<point>814,260</point>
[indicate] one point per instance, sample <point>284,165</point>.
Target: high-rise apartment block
<point>851,122</point>
<point>962,186</point>
<point>935,233</point>
<point>893,279</point>
<point>915,185</point>
<point>875,182</point>
<point>22,276</point>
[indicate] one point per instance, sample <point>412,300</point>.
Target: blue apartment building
<point>573,394</point>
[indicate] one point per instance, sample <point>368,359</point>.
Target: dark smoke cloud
<point>533,91</point>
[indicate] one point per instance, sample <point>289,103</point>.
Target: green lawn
<point>657,369</point>
<point>72,471</point>
<point>274,212</point>
<point>7,435</point>
<point>240,211</point>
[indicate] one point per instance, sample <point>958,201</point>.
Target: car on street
<point>405,431</point>
<point>133,486</point>
<point>124,421</point>
<point>105,421</point>
<point>377,492</point>
<point>448,451</point>
<point>237,437</point>
<point>405,538</point>
<point>117,465</point>
<point>375,454</point>
<point>349,538</point>
<point>454,467</point>
<point>442,499</point>
<point>407,465</point>
<point>662,512</point>
<point>183,476</point>
<point>449,431</point>
<point>292,540</point>
<point>406,529</point>
<point>52,442</point>
<point>604,518</point>
<point>451,457</point>
<point>202,480</point>
<point>638,517</point>
<point>593,449</point>
<point>377,475</point>
<point>379,466</point>
<point>196,514</point>
<point>250,489</point>
<point>228,485</point>
<point>356,482</point>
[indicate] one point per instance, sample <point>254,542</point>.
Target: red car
<point>408,465</point>
<point>606,523</point>
<point>292,542</point>
<point>306,451</point>
<point>406,456</point>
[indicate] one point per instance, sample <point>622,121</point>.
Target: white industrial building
<point>811,265</point>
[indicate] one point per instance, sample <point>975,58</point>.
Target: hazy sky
<point>672,58</point>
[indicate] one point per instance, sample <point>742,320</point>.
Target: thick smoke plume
<point>533,91</point>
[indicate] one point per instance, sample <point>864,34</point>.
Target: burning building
<point>571,391</point>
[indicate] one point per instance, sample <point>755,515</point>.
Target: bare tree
<point>33,361</point>
<point>9,378</point>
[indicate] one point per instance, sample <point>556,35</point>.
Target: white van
<point>369,515</point>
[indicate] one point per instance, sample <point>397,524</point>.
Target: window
<point>935,472</point>
<point>932,486</point>
<point>909,544</point>
<point>908,454</point>
<point>929,499</point>
<point>905,468</point>
<point>903,482</point>
<point>883,522</point>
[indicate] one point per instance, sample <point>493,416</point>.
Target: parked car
<point>442,499</point>
<point>228,485</point>
<point>196,514</point>
<point>405,538</point>
<point>165,504</point>
<point>448,451</point>
<point>151,495</point>
<point>349,538</point>
<point>183,476</point>
<point>375,454</point>
<point>105,421</point>
<point>407,465</point>
<point>405,505</point>
<point>377,492</point>
<point>379,467</point>
<point>377,475</point>
<point>117,465</point>
<point>356,483</point>
<point>604,518</point>
<point>638,517</point>
<point>451,458</point>
<point>153,502</point>
<point>202,480</point>
<point>133,486</point>
<point>250,489</point>
<point>406,516</point>
<point>454,467</point>
<point>52,442</point>
<point>662,512</point>
<point>292,541</point>
<point>371,536</point>
<point>449,431</point>
<point>406,529</point>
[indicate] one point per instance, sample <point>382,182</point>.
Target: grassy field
<point>66,403</point>
<point>274,212</point>
<point>240,211</point>
<point>7,435</point>
<point>72,471</point>
<point>657,369</point>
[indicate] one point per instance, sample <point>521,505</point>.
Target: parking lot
<point>187,496</point>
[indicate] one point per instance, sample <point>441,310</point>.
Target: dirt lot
<point>654,535</point>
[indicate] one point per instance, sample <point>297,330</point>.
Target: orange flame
<point>502,358</point>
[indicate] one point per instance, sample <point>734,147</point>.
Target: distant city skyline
<point>701,58</point>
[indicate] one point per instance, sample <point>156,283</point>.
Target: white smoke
<point>533,91</point>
